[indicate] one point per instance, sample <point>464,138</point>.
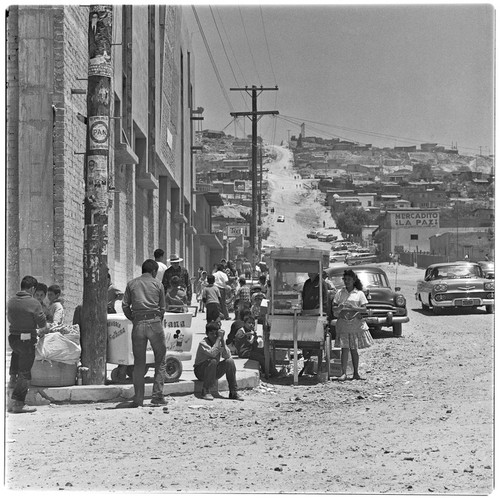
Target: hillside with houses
<point>376,181</point>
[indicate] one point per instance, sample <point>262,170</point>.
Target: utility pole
<point>254,116</point>
<point>96,176</point>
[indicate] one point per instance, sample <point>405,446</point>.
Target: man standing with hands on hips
<point>144,304</point>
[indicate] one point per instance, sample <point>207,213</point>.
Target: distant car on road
<point>386,307</point>
<point>312,235</point>
<point>461,284</point>
<point>281,219</point>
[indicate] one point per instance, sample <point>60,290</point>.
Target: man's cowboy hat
<point>175,259</point>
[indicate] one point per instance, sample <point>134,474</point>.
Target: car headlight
<point>440,288</point>
<point>489,286</point>
<point>400,301</point>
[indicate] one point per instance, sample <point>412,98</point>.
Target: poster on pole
<point>235,230</point>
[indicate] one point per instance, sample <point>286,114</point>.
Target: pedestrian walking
<point>25,316</point>
<point>211,298</point>
<point>222,283</point>
<point>352,332</point>
<point>144,304</point>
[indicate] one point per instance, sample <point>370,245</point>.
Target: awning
<point>210,240</point>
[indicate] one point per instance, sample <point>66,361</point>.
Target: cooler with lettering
<point>178,337</point>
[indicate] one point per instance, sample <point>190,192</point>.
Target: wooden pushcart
<point>287,325</point>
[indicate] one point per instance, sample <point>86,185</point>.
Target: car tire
<point>173,369</point>
<point>425,307</point>
<point>397,329</point>
<point>490,308</point>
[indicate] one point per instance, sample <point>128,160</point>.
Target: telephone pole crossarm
<point>251,113</point>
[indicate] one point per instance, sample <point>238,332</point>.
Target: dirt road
<point>420,423</point>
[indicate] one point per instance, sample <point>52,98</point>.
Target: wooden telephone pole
<point>254,116</point>
<point>95,249</point>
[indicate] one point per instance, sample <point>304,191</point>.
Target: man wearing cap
<point>144,304</point>
<point>175,269</point>
<point>25,316</point>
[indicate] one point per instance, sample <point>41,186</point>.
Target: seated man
<point>176,296</point>
<point>249,345</point>
<point>208,365</point>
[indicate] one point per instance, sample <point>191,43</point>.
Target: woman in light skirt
<point>352,332</point>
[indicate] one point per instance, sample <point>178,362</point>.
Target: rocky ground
<point>421,423</point>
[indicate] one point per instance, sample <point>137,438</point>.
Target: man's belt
<point>22,331</point>
<point>145,316</point>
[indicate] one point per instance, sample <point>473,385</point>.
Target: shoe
<point>235,395</point>
<point>20,407</point>
<point>206,395</point>
<point>159,402</point>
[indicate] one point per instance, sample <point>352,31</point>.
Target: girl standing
<point>352,332</point>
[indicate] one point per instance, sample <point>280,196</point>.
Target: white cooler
<point>178,336</point>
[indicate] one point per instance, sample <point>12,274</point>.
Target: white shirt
<point>221,279</point>
<point>161,270</point>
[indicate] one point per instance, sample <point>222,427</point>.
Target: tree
<point>352,220</point>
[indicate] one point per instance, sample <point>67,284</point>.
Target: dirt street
<point>421,422</point>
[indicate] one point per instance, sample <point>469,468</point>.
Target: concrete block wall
<point>12,139</point>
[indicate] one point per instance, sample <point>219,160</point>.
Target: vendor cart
<point>287,325</point>
<point>178,337</point>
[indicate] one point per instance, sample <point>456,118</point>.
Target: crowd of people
<point>37,308</point>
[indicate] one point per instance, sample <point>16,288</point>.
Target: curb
<point>247,376</point>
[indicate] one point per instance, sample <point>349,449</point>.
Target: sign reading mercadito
<point>100,41</point>
<point>98,132</point>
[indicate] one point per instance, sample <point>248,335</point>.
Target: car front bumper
<point>463,302</point>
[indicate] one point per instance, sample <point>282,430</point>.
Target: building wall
<point>47,59</point>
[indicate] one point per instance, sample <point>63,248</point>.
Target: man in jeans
<point>25,315</point>
<point>144,304</point>
<point>213,360</point>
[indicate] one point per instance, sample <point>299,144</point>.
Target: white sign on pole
<point>235,230</point>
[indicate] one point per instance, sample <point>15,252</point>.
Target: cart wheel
<point>119,375</point>
<point>173,369</point>
<point>328,354</point>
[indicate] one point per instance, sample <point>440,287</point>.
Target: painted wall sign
<point>412,219</point>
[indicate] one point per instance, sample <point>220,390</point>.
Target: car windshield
<point>455,271</point>
<point>368,279</point>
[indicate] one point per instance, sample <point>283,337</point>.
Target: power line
<point>219,79</point>
<point>249,47</point>
<point>267,45</point>
<point>230,45</point>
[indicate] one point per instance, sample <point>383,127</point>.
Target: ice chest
<point>178,336</point>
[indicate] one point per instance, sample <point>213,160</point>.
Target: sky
<point>387,75</point>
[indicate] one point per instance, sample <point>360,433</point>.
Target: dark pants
<point>22,359</point>
<point>142,331</point>
<point>213,311</point>
<point>211,370</point>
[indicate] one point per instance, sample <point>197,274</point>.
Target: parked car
<point>281,219</point>
<point>386,307</point>
<point>488,268</point>
<point>337,256</point>
<point>312,235</point>
<point>461,284</point>
<point>322,237</point>
<point>361,258</point>
<point>330,237</point>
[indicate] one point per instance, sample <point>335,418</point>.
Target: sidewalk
<point>247,375</point>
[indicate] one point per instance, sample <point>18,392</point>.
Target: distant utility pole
<point>96,176</point>
<point>254,116</point>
